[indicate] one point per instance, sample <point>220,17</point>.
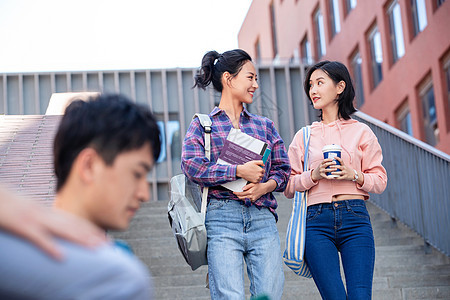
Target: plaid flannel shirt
<point>207,173</point>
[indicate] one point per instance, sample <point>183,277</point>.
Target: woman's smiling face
<point>244,84</point>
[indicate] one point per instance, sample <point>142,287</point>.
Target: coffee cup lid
<point>332,147</point>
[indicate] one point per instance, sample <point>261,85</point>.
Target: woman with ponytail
<point>241,226</point>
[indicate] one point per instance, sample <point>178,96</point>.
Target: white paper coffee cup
<point>331,151</point>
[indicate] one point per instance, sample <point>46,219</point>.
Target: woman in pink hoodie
<point>337,218</point>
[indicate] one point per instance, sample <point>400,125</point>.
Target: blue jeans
<point>344,227</point>
<point>237,233</point>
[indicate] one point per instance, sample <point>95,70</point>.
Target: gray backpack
<point>187,210</point>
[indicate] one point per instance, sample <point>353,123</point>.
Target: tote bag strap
<point>306,138</point>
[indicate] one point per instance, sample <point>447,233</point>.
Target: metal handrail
<point>402,135</point>
<point>418,191</point>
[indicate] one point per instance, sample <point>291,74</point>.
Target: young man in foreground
<point>103,150</point>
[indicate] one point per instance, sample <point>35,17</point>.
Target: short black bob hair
<point>337,72</point>
<point>110,124</point>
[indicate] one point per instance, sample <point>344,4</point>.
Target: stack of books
<point>240,148</point>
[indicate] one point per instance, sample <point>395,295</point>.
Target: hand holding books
<point>254,191</point>
<point>249,153</point>
<point>252,171</point>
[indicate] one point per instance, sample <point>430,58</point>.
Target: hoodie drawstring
<point>340,140</point>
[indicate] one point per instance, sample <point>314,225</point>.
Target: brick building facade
<point>398,52</point>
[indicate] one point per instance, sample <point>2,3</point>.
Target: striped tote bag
<point>293,255</point>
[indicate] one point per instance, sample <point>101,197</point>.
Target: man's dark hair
<point>110,124</point>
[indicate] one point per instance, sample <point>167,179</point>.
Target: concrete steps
<point>403,269</point>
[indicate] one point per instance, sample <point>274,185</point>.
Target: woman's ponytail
<point>205,74</point>
<point>215,64</point>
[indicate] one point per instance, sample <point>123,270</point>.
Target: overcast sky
<point>70,35</point>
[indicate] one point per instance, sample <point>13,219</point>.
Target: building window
<point>376,56</point>
<point>274,30</point>
<point>404,118</point>
<point>357,77</point>
<point>447,80</point>
<point>439,2</point>
<point>170,131</point>
<point>305,52</point>
<point>295,58</point>
<point>396,31</point>
<point>350,5</point>
<point>320,34</point>
<point>429,114</point>
<point>419,15</point>
<point>335,17</point>
<point>447,77</point>
<point>257,52</point>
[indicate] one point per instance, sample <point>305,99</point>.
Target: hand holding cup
<point>332,151</point>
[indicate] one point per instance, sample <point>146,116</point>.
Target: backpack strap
<point>206,123</point>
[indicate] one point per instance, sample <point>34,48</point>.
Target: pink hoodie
<point>360,151</point>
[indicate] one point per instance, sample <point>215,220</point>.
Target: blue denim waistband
<point>339,204</point>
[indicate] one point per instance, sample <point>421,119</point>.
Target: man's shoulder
<point>83,273</point>
<point>110,265</point>
<point>114,257</point>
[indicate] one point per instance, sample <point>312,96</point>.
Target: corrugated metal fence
<point>418,186</point>
<point>418,191</point>
<point>169,93</point>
